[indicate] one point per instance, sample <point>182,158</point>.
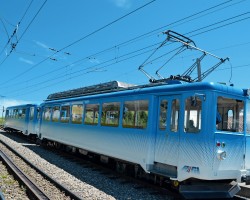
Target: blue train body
<point>22,118</point>
<point>195,131</point>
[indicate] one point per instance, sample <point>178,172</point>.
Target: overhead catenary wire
<point>190,16</point>
<point>90,70</point>
<point>129,41</point>
<point>82,38</point>
<point>93,70</point>
<point>107,62</point>
<point>32,20</point>
<point>218,5</point>
<point>5,29</point>
<point>14,33</point>
<point>26,11</point>
<point>124,59</point>
<point>214,29</point>
<point>16,27</point>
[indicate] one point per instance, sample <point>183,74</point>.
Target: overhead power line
<point>5,28</point>
<point>82,38</point>
<point>13,46</point>
<point>16,27</point>
<point>107,25</point>
<point>126,42</point>
<point>41,7</point>
<point>220,22</point>
<point>93,68</point>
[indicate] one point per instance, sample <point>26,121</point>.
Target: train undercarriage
<point>189,189</point>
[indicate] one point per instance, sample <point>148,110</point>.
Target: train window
<point>38,113</point>
<point>65,114</point>
<point>47,114</point>
<point>192,121</point>
<point>135,114</point>
<point>11,113</point>
<point>110,114</point>
<point>15,113</point>
<point>77,112</point>
<point>31,113</point>
<point>163,115</point>
<point>231,112</point>
<point>55,113</point>
<point>21,113</point>
<point>91,114</point>
<point>7,114</point>
<point>175,115</point>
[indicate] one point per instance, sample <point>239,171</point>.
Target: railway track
<point>37,183</point>
<point>33,191</point>
<point>126,180</point>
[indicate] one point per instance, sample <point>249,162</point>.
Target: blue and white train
<point>196,135</point>
<point>22,118</point>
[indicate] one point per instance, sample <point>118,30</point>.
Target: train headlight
<point>221,155</point>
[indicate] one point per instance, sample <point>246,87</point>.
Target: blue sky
<point>60,45</point>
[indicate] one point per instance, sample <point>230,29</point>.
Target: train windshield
<point>230,114</point>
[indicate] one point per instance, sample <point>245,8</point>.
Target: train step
<point>163,170</point>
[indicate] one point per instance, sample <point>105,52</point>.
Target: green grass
<point>2,121</point>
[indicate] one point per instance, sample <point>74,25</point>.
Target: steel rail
<point>18,174</point>
<point>49,178</point>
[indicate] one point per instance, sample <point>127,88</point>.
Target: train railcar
<point>196,135</point>
<point>22,118</point>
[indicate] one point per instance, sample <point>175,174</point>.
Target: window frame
<point>32,113</point>
<point>237,126</point>
<point>44,113</point>
<point>55,118</point>
<point>72,121</point>
<point>193,121</point>
<point>136,116</point>
<point>95,121</point>
<point>68,114</point>
<point>116,120</point>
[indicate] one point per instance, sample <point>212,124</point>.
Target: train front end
<point>217,158</point>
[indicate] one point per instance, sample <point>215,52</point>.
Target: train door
<point>38,121</point>
<point>194,148</point>
<point>23,116</point>
<point>167,138</point>
<point>31,124</point>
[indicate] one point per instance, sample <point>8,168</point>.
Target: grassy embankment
<point>1,121</point>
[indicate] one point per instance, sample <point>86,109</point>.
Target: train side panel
<point>18,118</point>
<point>16,124</point>
<point>126,145</point>
<point>130,144</point>
<point>170,148</point>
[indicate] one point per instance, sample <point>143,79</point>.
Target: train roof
<point>21,106</point>
<point>167,86</point>
<point>90,90</point>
